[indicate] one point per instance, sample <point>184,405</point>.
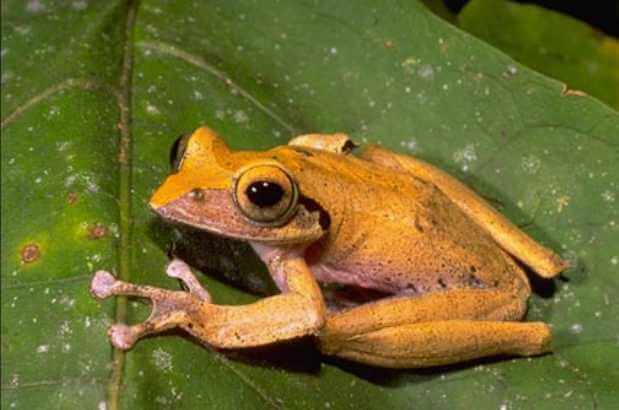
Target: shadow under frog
<point>231,261</point>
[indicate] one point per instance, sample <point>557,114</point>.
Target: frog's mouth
<point>214,210</point>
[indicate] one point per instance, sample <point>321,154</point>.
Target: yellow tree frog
<point>316,213</point>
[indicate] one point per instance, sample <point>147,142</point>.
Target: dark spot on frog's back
<point>313,206</point>
<point>475,282</point>
<point>411,288</point>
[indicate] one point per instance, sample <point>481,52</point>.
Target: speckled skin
<point>381,221</point>
<point>391,231</point>
<point>395,233</point>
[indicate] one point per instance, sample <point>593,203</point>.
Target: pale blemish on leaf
<point>240,117</point>
<point>465,157</point>
<point>562,202</point>
<point>531,164</point>
<point>412,145</point>
<point>608,196</point>
<point>576,328</point>
<point>151,109</point>
<point>162,359</point>
<point>426,72</point>
<point>35,6</point>
<point>512,70</point>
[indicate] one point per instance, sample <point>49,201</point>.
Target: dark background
<point>601,14</point>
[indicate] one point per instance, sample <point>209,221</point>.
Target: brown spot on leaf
<point>97,231</point>
<point>30,253</point>
<point>568,92</point>
<point>72,197</point>
<point>388,44</point>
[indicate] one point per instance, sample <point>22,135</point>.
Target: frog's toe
<point>162,317</point>
<point>102,284</point>
<point>123,337</point>
<point>180,270</point>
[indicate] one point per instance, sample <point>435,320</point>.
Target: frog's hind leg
<point>444,342</point>
<point>434,329</point>
<point>337,143</point>
<point>539,258</point>
<point>169,308</point>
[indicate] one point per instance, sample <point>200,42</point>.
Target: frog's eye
<point>266,194</point>
<point>177,152</point>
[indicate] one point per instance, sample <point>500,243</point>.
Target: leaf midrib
<point>124,200</point>
<point>124,99</point>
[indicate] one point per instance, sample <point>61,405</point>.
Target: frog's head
<point>244,195</point>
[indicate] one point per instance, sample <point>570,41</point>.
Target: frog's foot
<point>169,308</point>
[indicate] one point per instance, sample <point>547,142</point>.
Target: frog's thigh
<point>445,342</point>
<point>440,328</point>
<point>542,260</point>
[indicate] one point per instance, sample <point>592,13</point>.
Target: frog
<point>451,267</point>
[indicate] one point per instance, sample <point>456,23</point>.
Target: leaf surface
<point>552,43</point>
<point>94,94</point>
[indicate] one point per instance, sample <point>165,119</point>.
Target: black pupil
<point>264,193</point>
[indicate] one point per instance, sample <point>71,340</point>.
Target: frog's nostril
<point>196,194</point>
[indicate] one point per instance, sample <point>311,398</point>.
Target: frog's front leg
<point>435,329</point>
<point>297,312</point>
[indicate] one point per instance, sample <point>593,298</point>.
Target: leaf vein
<point>199,62</point>
<point>54,281</point>
<point>81,83</point>
<point>245,379</point>
<point>49,383</point>
<point>124,163</point>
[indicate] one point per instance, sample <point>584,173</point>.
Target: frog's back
<point>393,232</point>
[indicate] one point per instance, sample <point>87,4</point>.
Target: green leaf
<point>550,42</point>
<point>94,93</point>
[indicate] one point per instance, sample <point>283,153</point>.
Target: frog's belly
<point>484,266</point>
<point>396,282</point>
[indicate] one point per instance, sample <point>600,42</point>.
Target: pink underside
<point>325,274</point>
<point>368,277</point>
<point>321,272</point>
<point>268,254</point>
